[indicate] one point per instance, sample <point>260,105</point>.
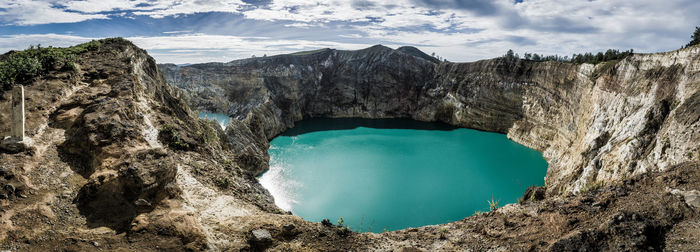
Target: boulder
<point>260,239</point>
<point>12,145</point>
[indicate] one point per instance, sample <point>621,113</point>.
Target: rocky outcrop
<point>120,161</point>
<point>112,141</point>
<point>595,124</point>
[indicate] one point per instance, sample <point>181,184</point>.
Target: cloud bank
<point>459,30</point>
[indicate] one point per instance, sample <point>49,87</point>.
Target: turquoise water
<point>220,118</point>
<point>395,174</point>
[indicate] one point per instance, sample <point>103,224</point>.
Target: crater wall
<point>595,124</point>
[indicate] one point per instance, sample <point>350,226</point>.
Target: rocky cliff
<point>108,169</point>
<point>119,160</point>
<point>595,124</point>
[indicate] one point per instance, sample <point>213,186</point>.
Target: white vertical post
<point>17,128</point>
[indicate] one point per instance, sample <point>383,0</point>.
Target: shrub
<point>222,181</point>
<point>340,222</point>
<point>208,134</point>
<point>493,204</point>
<point>610,54</point>
<point>695,38</point>
<point>443,233</point>
<point>19,67</point>
<point>171,136</point>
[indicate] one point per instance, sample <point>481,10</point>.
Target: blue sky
<point>193,31</point>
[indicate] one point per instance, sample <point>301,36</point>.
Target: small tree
<point>510,54</point>
<point>695,38</point>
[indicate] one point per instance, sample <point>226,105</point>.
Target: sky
<point>195,31</point>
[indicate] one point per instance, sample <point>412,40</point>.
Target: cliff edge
<point>595,124</point>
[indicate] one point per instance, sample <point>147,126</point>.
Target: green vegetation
<point>695,38</point>
<point>208,134</point>
<point>344,230</point>
<point>197,168</point>
<point>443,233</point>
<point>590,187</point>
<point>230,164</point>
<point>222,182</point>
<point>610,54</point>
<point>171,136</point>
<point>19,67</point>
<point>563,190</point>
<point>340,222</point>
<point>607,68</point>
<point>113,40</point>
<point>493,204</point>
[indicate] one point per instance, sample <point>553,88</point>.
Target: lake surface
<point>393,174</point>
<point>220,118</point>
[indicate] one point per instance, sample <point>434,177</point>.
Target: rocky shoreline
<point>120,161</point>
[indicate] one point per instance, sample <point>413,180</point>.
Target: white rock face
<point>692,198</point>
<point>639,116</point>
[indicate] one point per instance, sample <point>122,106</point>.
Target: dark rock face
<point>534,193</point>
<point>270,94</point>
<point>594,124</point>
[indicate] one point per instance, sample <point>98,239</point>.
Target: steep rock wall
<point>595,124</point>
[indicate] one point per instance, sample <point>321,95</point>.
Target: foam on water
<point>280,186</point>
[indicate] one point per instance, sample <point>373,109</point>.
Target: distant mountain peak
<point>417,53</point>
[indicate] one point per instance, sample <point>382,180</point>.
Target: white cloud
<point>176,32</point>
<point>31,12</point>
<point>459,34</point>
<point>192,48</point>
<point>394,14</point>
<point>96,6</point>
<point>163,8</point>
<point>197,48</point>
<point>23,41</point>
